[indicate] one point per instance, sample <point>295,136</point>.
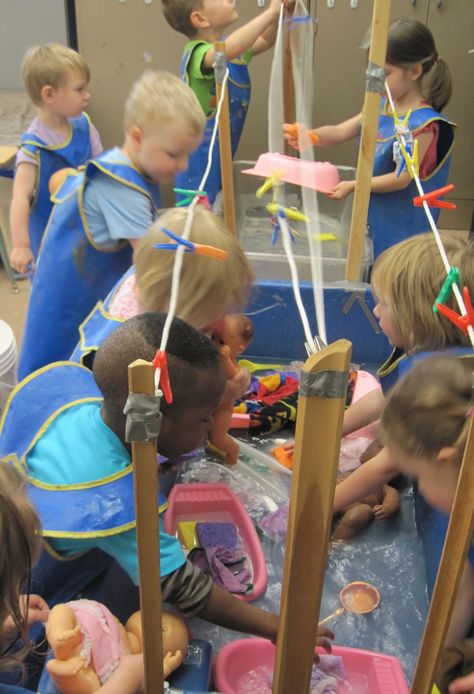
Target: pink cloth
<point>102,647</point>
<point>52,138</point>
<point>125,304</point>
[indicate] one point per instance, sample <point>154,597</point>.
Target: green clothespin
<point>190,195</point>
<point>446,289</point>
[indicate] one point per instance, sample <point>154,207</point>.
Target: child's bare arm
<point>386,183</point>
<point>327,135</point>
<point>363,412</point>
<point>225,610</point>
<point>244,38</point>
<point>363,481</point>
<point>23,190</point>
<point>267,39</point>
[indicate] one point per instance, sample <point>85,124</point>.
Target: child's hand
<point>463,684</point>
<point>21,259</point>
<point>342,190</point>
<point>323,640</point>
<point>294,132</point>
<point>38,611</point>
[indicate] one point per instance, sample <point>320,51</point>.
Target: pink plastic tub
<point>216,502</point>
<point>321,176</point>
<point>376,673</point>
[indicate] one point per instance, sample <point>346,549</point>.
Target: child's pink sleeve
<point>96,144</point>
<point>125,304</point>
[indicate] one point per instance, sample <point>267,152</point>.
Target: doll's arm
<point>390,505</point>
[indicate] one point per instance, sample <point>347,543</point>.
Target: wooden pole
<point>317,440</point>
<point>458,540</point>
<point>365,164</point>
<point>141,380</point>
<point>225,148</point>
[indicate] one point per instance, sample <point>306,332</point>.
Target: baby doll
<point>231,340</point>
<point>382,503</point>
<point>88,643</point>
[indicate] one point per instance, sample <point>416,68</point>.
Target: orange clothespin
<point>432,198</point>
<point>293,130</point>
<point>160,362</point>
<point>460,321</point>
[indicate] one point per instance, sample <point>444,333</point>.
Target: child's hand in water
<point>323,640</point>
<point>342,190</point>
<point>38,611</point>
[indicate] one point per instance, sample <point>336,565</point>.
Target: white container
<point>7,362</point>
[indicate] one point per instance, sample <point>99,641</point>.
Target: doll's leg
<point>219,436</point>
<point>63,632</point>
<point>356,519</point>
<point>71,677</point>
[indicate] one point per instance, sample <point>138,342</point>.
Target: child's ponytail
<point>440,84</point>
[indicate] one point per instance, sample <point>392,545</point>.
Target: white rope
<point>178,261</point>
<point>434,228</point>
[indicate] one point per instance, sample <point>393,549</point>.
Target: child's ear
<point>47,94</point>
<point>136,135</point>
<point>198,20</point>
<point>448,454</point>
<point>416,71</point>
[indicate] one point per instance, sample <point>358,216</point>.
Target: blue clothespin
<point>173,246</point>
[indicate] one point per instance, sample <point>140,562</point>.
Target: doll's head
<point>407,279</point>
<point>175,634</point>
<point>236,332</point>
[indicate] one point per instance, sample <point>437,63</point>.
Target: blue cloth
<point>73,270</point>
<point>113,211</point>
<point>75,152</point>
<point>78,447</point>
<point>392,216</point>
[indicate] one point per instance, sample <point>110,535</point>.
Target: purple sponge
<point>217,535</point>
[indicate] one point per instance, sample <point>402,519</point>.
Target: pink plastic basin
<point>383,673</point>
<point>216,502</point>
<point>320,176</point>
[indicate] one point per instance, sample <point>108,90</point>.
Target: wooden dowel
<point>458,540</point>
<point>141,380</point>
<point>317,440</point>
<point>225,152</point>
<point>365,163</point>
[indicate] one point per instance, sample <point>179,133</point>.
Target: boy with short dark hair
<point>73,443</point>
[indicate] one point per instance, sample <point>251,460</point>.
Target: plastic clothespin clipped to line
<point>460,321</point>
<point>451,278</point>
<point>294,129</point>
<point>270,183</point>
<point>190,247</point>
<point>160,362</point>
<point>432,200</point>
<point>202,196</point>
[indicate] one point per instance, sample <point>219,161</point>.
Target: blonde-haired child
<point>406,280</point>
<point>424,427</point>
<point>56,79</point>
<point>113,202</point>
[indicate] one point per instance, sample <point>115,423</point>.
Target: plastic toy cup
<point>358,597</point>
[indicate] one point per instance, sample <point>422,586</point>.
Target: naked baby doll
<point>382,504</point>
<point>88,643</point>
<point>231,340</point>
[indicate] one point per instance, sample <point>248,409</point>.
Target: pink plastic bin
<point>383,672</point>
<point>216,502</point>
<point>321,176</point>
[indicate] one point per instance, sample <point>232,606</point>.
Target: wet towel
<point>226,567</point>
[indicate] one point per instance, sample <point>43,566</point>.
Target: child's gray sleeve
<point>187,588</point>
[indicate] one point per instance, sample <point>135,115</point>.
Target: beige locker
<point>120,38</point>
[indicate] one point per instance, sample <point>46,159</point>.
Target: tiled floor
<point>13,306</point>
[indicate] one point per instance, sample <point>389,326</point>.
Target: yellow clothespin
<point>296,216</point>
<point>270,183</point>
<point>411,161</point>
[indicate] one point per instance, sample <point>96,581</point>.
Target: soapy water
<point>389,555</point>
<point>259,681</point>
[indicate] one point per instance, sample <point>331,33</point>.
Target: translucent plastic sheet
<point>389,555</point>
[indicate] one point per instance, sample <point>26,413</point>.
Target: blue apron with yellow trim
<point>73,272</point>
<point>392,216</point>
<point>75,152</point>
<point>98,508</point>
<point>399,363</point>
<point>238,86</point>
<point>98,325</point>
